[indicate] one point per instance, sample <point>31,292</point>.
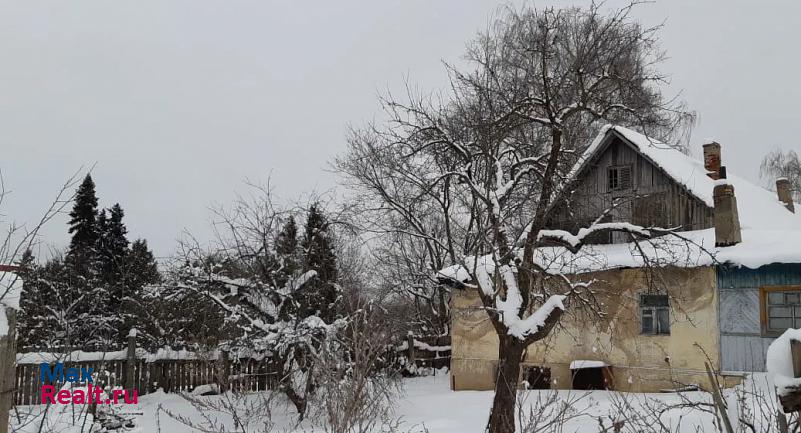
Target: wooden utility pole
<point>8,360</point>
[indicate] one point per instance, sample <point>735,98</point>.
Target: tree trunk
<point>299,402</point>
<point>502,415</point>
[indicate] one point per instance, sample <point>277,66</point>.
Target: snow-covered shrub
<point>356,386</point>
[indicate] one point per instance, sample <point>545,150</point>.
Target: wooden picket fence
<point>423,353</point>
<point>183,371</point>
<point>173,371</point>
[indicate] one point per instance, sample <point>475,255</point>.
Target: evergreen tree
<point>113,246</point>
<point>84,229</point>
<point>28,306</point>
<point>27,265</point>
<point>141,270</point>
<point>90,299</point>
<point>102,224</point>
<point>112,255</point>
<point>318,251</point>
<point>50,306</point>
<point>286,250</point>
<point>142,267</point>
<point>322,293</point>
<point>78,280</point>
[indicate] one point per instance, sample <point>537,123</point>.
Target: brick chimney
<point>727,220</point>
<point>785,193</point>
<point>712,159</point>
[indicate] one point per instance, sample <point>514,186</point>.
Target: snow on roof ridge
<point>758,207</point>
<point>770,232</point>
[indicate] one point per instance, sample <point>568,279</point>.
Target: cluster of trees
<point>264,285</point>
<point>277,290</point>
<point>92,295</point>
<point>471,178</point>
<point>89,296</point>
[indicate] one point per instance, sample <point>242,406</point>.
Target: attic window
<point>618,178</point>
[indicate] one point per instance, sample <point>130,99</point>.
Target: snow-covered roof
<point>770,233</point>
<point>757,207</point>
<point>581,363</point>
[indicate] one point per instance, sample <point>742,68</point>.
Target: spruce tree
<point>141,270</point>
<point>321,294</point>
<point>113,245</point>
<point>84,230</point>
<point>318,251</point>
<point>27,265</point>
<point>112,252</point>
<point>82,278</point>
<point>102,224</point>
<point>29,304</point>
<point>286,251</point>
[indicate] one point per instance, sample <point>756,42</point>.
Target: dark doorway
<point>590,378</point>
<point>537,377</point>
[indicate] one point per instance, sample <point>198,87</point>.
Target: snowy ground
<point>428,405</point>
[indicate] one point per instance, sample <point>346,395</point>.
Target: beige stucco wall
<point>639,362</point>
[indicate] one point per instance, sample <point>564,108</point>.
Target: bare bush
<point>549,411</point>
<point>357,387</point>
<point>228,412</point>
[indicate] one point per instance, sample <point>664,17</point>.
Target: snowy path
<point>428,403</point>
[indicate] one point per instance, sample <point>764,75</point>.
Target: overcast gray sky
<point>178,102</point>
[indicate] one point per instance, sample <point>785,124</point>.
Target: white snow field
<point>428,405</point>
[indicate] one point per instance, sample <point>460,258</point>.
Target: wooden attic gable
<point>654,181</point>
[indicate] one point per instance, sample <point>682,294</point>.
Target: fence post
<point>130,360</point>
<point>410,355</point>
<point>8,362</point>
<point>223,371</point>
<point>791,401</point>
<point>795,352</point>
<point>154,378</point>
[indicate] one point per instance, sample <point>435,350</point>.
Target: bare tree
<point>19,237</point>
<point>395,202</point>
<point>778,164</point>
<point>492,159</point>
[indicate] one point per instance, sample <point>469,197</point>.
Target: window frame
<point>764,292</point>
<point>654,312</point>
<point>617,170</point>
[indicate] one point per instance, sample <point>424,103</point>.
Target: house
<point>718,291</point>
